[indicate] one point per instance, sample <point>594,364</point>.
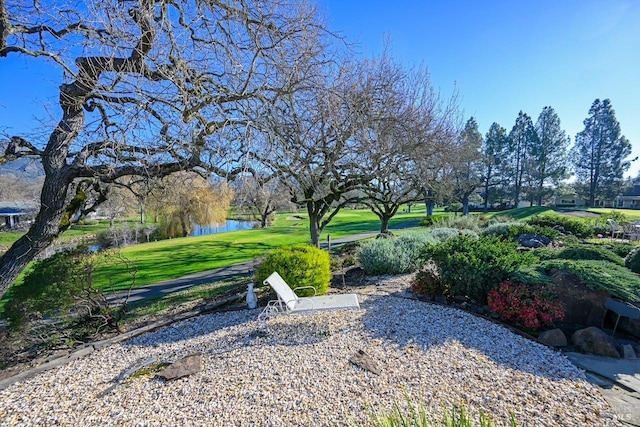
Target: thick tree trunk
<point>314,229</point>
<point>43,231</point>
<point>465,205</point>
<point>384,224</point>
<point>485,209</point>
<point>52,217</point>
<point>430,206</point>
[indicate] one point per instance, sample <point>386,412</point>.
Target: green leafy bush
<point>394,255</point>
<point>453,207</point>
<point>619,281</point>
<point>442,234</point>
<point>581,252</point>
<point>530,305</point>
<point>60,285</point>
<point>428,221</point>
<point>632,260</point>
<point>428,282</point>
<point>473,267</point>
<point>299,266</point>
<point>576,226</point>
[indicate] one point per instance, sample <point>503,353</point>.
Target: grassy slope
<point>173,258</point>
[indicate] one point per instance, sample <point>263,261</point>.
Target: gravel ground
<point>299,373</point>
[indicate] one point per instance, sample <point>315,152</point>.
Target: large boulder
<point>553,338</point>
<point>595,341</point>
<point>583,306</point>
<point>533,240</point>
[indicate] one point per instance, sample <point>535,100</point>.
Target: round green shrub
<point>471,267</point>
<point>299,266</point>
<point>442,234</point>
<point>394,255</point>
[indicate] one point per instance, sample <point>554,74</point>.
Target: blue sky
<point>511,55</point>
<point>503,56</point>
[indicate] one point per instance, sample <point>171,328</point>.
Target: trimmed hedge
<point>582,252</point>
<point>619,281</point>
<point>577,227</point>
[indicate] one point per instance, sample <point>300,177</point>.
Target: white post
<point>252,298</point>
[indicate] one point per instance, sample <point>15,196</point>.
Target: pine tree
<point>599,152</point>
<point>494,156</point>
<point>466,170</point>
<point>521,138</point>
<point>548,151</point>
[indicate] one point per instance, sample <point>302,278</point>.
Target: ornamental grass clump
<point>299,266</point>
<point>395,255</point>
<point>530,305</point>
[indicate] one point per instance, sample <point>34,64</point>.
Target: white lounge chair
<point>289,302</point>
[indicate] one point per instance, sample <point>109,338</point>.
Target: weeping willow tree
<point>185,199</point>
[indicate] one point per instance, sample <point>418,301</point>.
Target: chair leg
<point>615,326</point>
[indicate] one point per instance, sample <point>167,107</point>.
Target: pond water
<point>229,225</point>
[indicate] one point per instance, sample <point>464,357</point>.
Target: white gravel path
<point>299,374</point>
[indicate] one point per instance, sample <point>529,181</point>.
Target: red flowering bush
<point>529,305</point>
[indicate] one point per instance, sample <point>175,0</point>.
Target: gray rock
<point>533,240</point>
<point>595,341</point>
<point>553,338</point>
<point>363,360</point>
<point>183,367</point>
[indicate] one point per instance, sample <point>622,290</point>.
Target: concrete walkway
<point>618,380</point>
<point>160,289</point>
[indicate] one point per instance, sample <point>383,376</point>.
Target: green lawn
<point>631,214</point>
<point>173,258</point>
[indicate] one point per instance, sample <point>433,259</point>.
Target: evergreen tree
<point>521,139</point>
<point>494,158</point>
<point>466,170</point>
<point>599,153</point>
<point>548,157</point>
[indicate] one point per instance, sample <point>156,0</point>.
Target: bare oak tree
<point>317,139</point>
<point>414,126</point>
<point>261,196</point>
<point>150,87</point>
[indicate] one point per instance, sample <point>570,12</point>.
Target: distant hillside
<point>23,168</point>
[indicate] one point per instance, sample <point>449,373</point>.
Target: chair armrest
<point>305,287</point>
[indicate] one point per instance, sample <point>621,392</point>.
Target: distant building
<point>15,215</point>
<point>630,199</point>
